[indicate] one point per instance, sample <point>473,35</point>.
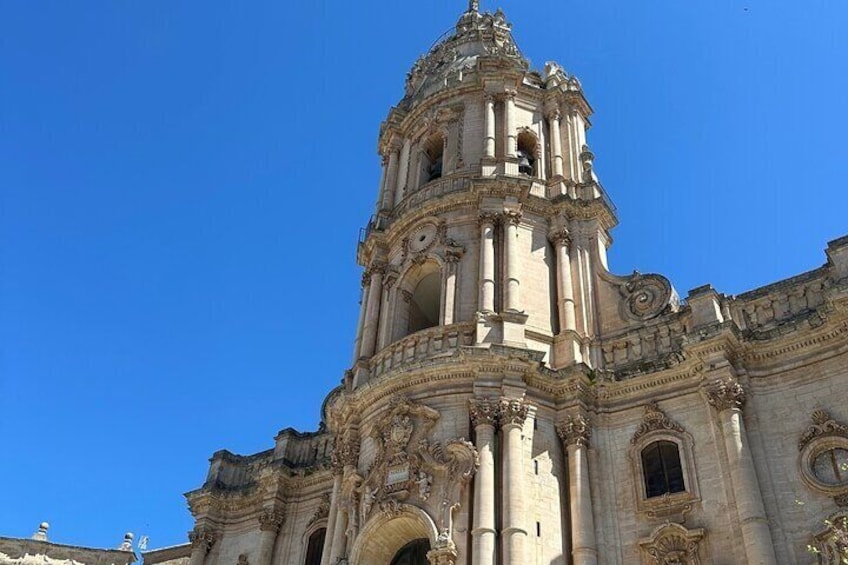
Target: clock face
<point>422,238</point>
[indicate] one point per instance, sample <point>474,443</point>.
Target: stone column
<point>403,171</point>
<point>449,311</point>
<point>575,433</point>
<point>484,416</point>
<point>270,522</point>
<point>509,123</point>
<point>388,200</point>
<point>363,304</point>
<point>345,457</point>
<point>556,142</point>
<point>512,413</point>
<point>331,517</point>
<point>338,547</point>
<point>489,127</point>
<point>565,287</point>
<point>487,262</point>
<point>512,302</point>
<point>201,540</point>
<point>728,398</point>
<point>372,312</point>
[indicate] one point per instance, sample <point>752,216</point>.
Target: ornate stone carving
<point>512,411</point>
<point>242,559</point>
<point>512,217</point>
<point>322,511</point>
<point>271,520</point>
<point>647,296</point>
<point>486,217</point>
<point>443,555</point>
<point>831,545</point>
<point>201,538</point>
<point>456,462</point>
<point>575,430</point>
<point>483,411</point>
<point>560,236</point>
<point>724,395</point>
<point>654,420</point>
<point>672,544</point>
<point>823,426</point>
<point>345,450</point>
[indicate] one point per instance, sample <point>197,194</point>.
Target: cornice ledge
<point>683,376</point>
<point>724,339</point>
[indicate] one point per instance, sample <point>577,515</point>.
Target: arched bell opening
<point>413,553</point>
<point>528,153</point>
<point>418,305</point>
<point>395,539</point>
<point>315,546</point>
<point>433,158</point>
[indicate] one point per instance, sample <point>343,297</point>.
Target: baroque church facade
<point>512,400</point>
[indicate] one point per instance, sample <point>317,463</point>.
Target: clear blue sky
<point>181,186</point>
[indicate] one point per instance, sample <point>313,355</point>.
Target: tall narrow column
<point>339,542</point>
<point>556,141</point>
<point>449,307</point>
<point>575,433</point>
<point>403,172</point>
<point>345,457</point>
<point>512,302</point>
<point>509,123</point>
<point>487,262</point>
<point>484,416</point>
<point>489,127</point>
<point>201,540</point>
<point>728,398</point>
<point>512,414</point>
<point>372,313</point>
<point>565,287</point>
<point>270,522</point>
<point>331,517</point>
<point>388,200</point>
<point>363,305</point>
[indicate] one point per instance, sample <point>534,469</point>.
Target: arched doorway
<point>413,553</point>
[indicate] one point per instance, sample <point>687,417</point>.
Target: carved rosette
<point>655,420</point>
<point>824,425</point>
<point>483,412</point>
<point>725,395</point>
<point>512,411</point>
<point>575,430</point>
<point>271,520</point>
<point>201,539</point>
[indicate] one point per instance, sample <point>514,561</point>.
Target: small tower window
<point>424,304</point>
<point>662,471</point>
<point>527,151</point>
<point>315,547</point>
<point>434,154</point>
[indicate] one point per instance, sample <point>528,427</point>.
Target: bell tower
<point>490,224</point>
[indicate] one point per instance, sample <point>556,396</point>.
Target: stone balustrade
<point>431,190</point>
<point>439,340</point>
<point>766,308</point>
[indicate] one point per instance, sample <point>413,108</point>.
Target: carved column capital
<point>271,520</point>
<point>512,217</point>
<point>376,268</point>
<point>345,451</point>
<point>509,94</point>
<point>487,218</point>
<point>483,412</point>
<point>201,538</point>
<point>724,395</point>
<point>512,411</point>
<point>553,114</point>
<point>575,430</point>
<point>560,236</point>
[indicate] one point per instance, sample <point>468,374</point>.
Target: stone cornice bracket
<point>483,412</point>
<point>560,235</point>
<point>654,420</point>
<point>824,425</point>
<point>512,411</point>
<point>725,395</point>
<point>575,430</point>
<point>201,538</point>
<point>271,520</point>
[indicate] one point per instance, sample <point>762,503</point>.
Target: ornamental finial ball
<point>44,526</point>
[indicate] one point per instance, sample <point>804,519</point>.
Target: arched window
<point>424,303</point>
<point>661,469</point>
<point>315,547</point>
<point>433,156</point>
<point>413,553</point>
<point>528,151</point>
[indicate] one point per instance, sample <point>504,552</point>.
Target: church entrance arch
<point>400,537</point>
